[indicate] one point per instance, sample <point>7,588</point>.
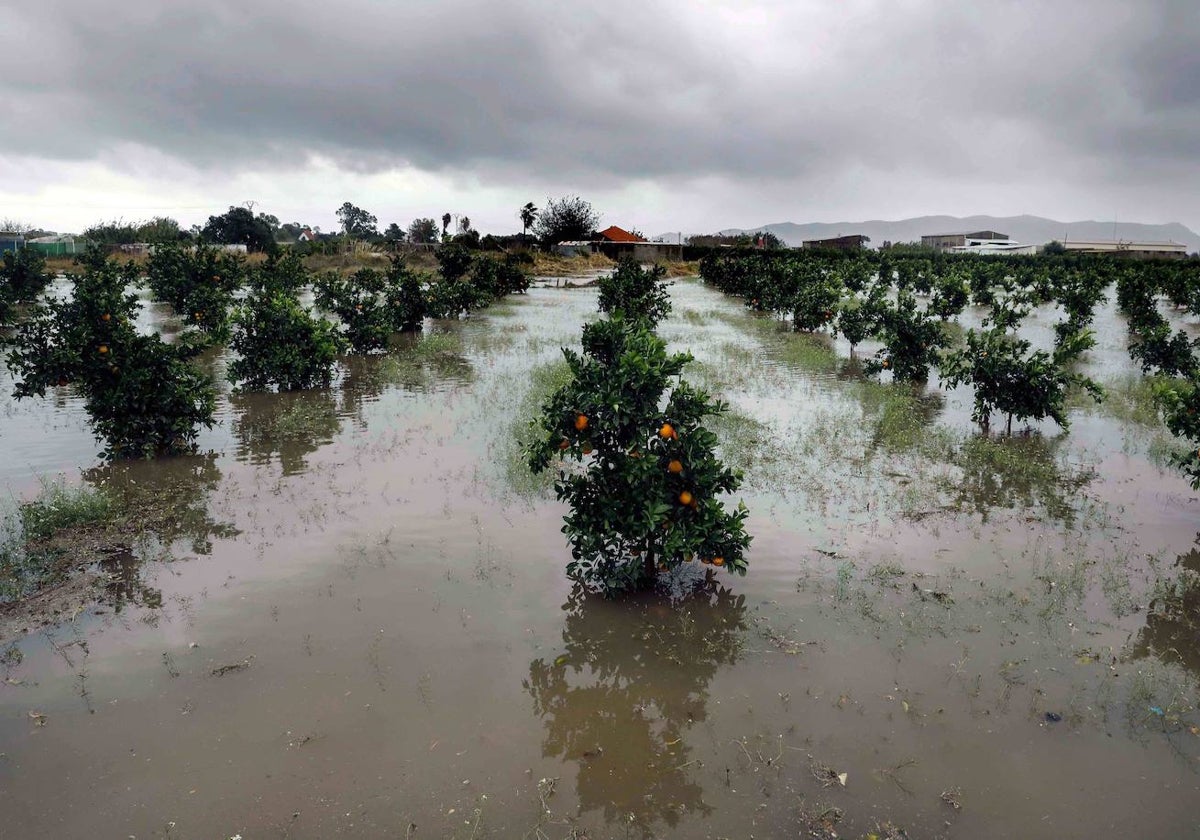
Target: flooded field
<point>352,619</point>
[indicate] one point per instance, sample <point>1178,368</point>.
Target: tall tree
<point>564,219</point>
<point>527,215</point>
<point>356,222</point>
<point>422,232</point>
<point>394,234</point>
<point>445,223</point>
<point>240,226</point>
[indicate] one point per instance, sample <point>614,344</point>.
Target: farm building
<point>993,246</point>
<point>57,246</point>
<point>1126,248</point>
<point>947,241</point>
<point>854,242</point>
<point>11,242</point>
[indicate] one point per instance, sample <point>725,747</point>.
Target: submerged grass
<point>543,380</point>
<point>31,532</point>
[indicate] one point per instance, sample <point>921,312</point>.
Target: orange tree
<point>23,277</point>
<point>363,304</point>
<point>1010,379</point>
<point>1179,400</point>
<point>911,339</point>
<point>279,342</point>
<point>641,475</point>
<point>199,283</point>
<point>636,290</point>
<point>144,396</point>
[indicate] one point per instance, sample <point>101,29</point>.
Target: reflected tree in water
<point>1172,631</point>
<point>169,503</point>
<point>621,697</point>
<point>284,427</point>
<point>1025,473</point>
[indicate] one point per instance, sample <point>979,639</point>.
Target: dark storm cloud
<point>631,90</point>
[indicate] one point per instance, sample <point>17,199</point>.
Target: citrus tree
<point>815,300</point>
<point>278,341</point>
<point>636,464</point>
<point>23,278</point>
<point>199,283</point>
<point>144,396</point>
<point>1010,379</point>
<point>1179,401</point>
<point>911,338</point>
<point>363,305</point>
<point>639,292</point>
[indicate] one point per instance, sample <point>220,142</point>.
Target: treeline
<point>146,396</point>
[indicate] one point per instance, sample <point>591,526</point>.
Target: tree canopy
<point>356,222</point>
<point>239,226</point>
<point>564,219</point>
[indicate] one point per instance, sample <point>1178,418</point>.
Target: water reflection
<point>1022,472</point>
<point>285,427</point>
<point>172,499</point>
<point>621,697</point>
<point>1172,631</point>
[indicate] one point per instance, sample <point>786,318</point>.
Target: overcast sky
<point>665,114</point>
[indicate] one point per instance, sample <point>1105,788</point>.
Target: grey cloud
<point>620,90</point>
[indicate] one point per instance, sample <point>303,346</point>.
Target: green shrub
<point>279,342</point>
<point>1010,379</point>
<point>144,396</point>
<point>199,283</point>
<point>645,497</point>
<point>23,278</point>
<point>635,291</point>
<point>911,340</point>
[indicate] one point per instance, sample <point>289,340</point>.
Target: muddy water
<point>358,623</point>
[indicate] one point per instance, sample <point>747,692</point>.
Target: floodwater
<point>356,622</point>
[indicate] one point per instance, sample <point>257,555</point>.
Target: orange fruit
<point>685,498</point>
<point>564,444</point>
<point>718,561</point>
<point>103,349</point>
<point>106,317</point>
<point>581,422</point>
<point>62,383</point>
<point>587,449</point>
<point>667,432</point>
<point>687,558</point>
<point>706,561</point>
<point>675,467</point>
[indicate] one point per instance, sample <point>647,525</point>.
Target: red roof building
<point>616,234</point>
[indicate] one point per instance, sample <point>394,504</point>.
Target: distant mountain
<point>1028,230</point>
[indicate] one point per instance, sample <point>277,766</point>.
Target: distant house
<point>1127,248</point>
<point>853,242</point>
<point>306,235</point>
<point>948,241</point>
<point>616,234</point>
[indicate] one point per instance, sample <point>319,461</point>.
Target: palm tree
<point>527,214</point>
<point>445,223</point>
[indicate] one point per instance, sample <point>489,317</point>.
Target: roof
<point>1167,243</point>
<point>616,234</point>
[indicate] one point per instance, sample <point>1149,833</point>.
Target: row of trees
<point>147,396</point>
<point>906,302</point>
